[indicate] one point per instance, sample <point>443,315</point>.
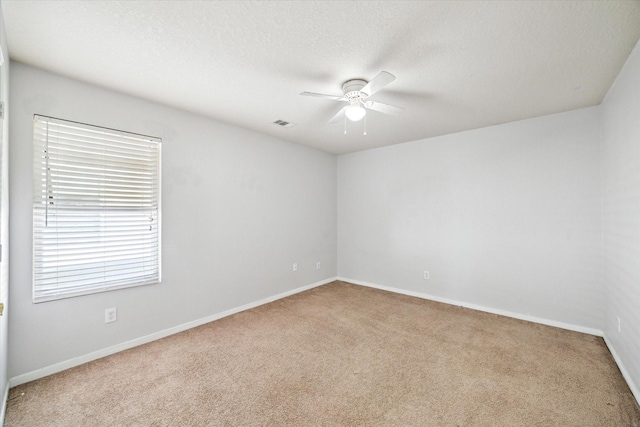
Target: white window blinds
<point>96,209</point>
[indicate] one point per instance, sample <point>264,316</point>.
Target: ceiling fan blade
<point>383,108</point>
<point>381,80</point>
<point>321,95</point>
<point>338,115</point>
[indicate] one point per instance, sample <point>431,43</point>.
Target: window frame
<point>110,202</point>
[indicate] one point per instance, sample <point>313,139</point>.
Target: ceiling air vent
<point>283,123</point>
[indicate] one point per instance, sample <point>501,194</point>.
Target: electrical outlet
<point>295,266</point>
<point>618,317</point>
<point>426,275</point>
<point>110,315</point>
<point>318,265</point>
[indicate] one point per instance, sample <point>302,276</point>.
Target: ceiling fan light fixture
<point>356,93</point>
<point>355,112</point>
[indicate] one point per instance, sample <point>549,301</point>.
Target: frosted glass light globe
<point>355,113</point>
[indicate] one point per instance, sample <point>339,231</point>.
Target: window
<point>96,209</point>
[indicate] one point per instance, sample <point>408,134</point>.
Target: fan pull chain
<point>345,124</point>
<point>365,126</point>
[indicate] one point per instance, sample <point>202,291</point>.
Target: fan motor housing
<point>352,88</point>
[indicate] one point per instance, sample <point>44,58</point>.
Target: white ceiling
<point>459,64</point>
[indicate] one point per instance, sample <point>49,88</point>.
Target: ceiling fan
<point>356,93</point>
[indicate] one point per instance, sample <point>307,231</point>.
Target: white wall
<point>621,217</point>
<point>505,217</point>
<point>238,209</point>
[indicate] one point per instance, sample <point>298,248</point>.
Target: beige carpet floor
<point>343,355</point>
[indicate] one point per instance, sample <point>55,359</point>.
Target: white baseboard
<point>76,361</point>
<point>625,374</point>
<point>568,326</point>
<point>5,399</point>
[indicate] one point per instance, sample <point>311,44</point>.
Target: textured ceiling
<point>459,65</point>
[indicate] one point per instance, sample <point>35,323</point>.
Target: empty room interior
<point>320,213</point>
